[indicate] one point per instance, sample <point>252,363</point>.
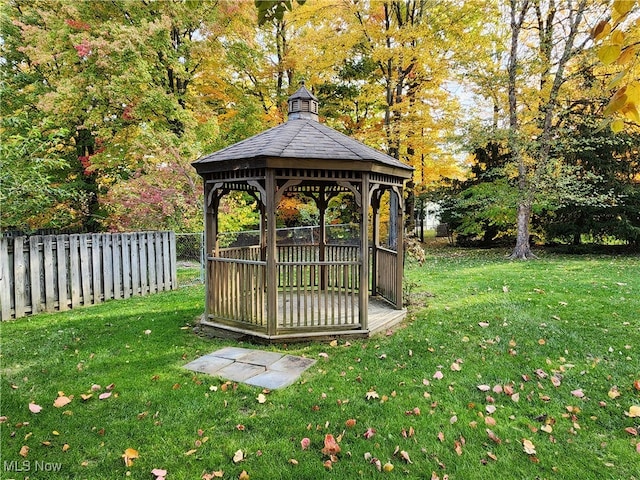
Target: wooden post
<point>271,250</point>
<point>210,242</point>
<point>376,195</point>
<point>364,252</point>
<point>399,249</point>
<point>321,203</point>
<point>173,256</point>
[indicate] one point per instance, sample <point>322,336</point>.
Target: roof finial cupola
<point>303,104</point>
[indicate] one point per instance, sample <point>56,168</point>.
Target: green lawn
<point>555,341</point>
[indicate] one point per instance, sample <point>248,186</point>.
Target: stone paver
<point>259,368</point>
<point>239,372</point>
<point>208,364</point>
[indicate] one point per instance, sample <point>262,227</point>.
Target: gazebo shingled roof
<point>284,292</point>
<point>301,137</point>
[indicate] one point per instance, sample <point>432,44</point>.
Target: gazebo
<point>273,291</point>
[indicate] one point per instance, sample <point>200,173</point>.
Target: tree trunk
<point>522,250</point>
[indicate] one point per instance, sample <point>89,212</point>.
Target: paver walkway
<point>254,367</point>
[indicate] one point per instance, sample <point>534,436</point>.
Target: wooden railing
<point>318,294</point>
<point>310,293</point>
<point>237,290</point>
<point>387,275</point>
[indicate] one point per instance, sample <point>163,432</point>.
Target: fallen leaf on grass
<point>304,443</point>
<point>493,436</point>
<point>631,431</point>
<point>372,394</point>
<point>243,475</point>
<point>578,393</point>
<point>387,467</point>
<point>529,447</point>
<point>62,400</point>
<point>35,408</point>
<point>331,446</point>
<point>634,411</point>
<point>369,433</point>
<point>159,473</point>
<point>104,395</point>
<point>238,456</point>
<point>212,475</point>
<point>613,393</point>
<point>438,375</point>
<point>483,324</point>
<point>457,446</point>
<point>190,452</point>
<point>24,451</point>
<point>404,455</point>
<point>261,398</point>
<point>129,455</point>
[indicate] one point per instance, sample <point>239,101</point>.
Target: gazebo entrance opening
<point>282,290</point>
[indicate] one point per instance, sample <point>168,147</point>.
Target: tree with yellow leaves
<point>618,47</point>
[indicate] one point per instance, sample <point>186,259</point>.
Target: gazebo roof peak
<point>303,104</point>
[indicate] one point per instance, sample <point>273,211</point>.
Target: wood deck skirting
<point>382,316</point>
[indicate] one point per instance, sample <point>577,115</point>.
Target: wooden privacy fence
<point>59,272</point>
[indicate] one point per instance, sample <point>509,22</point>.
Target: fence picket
<point>107,266</point>
<point>96,268</point>
<point>49,274</point>
<point>151,254</point>
<point>61,270</point>
<point>74,269</point>
<point>35,267</point>
<point>5,280</point>
<point>64,271</point>
<point>116,251</point>
<point>144,276</point>
<point>85,270</point>
<point>126,265</point>
<point>19,269</point>
<point>158,265</point>
<point>135,266</point>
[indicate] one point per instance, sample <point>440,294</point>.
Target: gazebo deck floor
<point>381,316</point>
